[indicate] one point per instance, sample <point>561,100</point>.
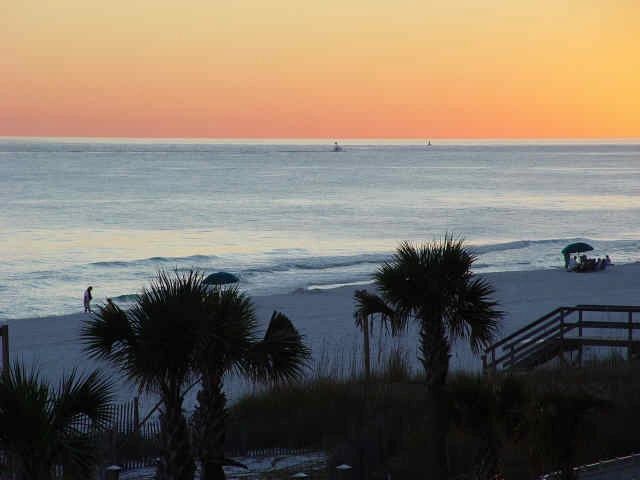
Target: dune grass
<point>379,423</point>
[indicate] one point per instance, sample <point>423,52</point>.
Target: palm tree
<point>432,285</point>
<point>367,305</point>
<point>153,344</point>
<point>40,425</point>
<point>230,344</point>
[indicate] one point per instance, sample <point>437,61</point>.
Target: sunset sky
<point>320,69</point>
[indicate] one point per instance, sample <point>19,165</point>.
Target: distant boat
<point>428,143</point>
<point>336,147</point>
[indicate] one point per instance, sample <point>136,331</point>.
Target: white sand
<point>326,318</point>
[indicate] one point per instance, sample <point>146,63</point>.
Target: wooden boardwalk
<point>564,334</point>
<point>621,468</point>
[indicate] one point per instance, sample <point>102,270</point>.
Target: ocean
<point>288,215</point>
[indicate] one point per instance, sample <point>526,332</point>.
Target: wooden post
<point>493,360</point>
<point>562,336</point>
<point>580,323</point>
<point>113,472</point>
<point>484,364</point>
<point>580,335</point>
<point>4,333</point>
<point>367,351</point>
<point>136,414</point>
<point>630,337</point>
<point>113,444</point>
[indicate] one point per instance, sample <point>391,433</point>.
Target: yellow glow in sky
<point>338,69</point>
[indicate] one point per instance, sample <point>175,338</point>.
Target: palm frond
<point>38,423</point>
<point>434,282</point>
<point>473,315</point>
<point>369,304</point>
<point>89,395</point>
<point>153,342</point>
<point>228,331</point>
<point>24,399</point>
<point>108,334</point>
<point>281,356</point>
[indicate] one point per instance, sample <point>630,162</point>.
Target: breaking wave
<point>155,261</point>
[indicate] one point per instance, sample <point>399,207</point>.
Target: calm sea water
<point>292,215</point>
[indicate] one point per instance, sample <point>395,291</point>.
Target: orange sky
<point>329,68</point>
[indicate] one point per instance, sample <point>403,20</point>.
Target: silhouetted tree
<point>153,344</point>
<point>433,286</point>
<point>230,345</point>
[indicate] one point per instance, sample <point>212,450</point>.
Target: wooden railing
<point>558,332</point>
<point>4,345</point>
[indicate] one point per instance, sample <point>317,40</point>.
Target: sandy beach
<point>326,319</point>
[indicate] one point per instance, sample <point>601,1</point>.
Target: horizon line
<point>357,140</point>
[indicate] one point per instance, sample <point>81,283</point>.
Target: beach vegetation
<point>554,422</point>
<point>41,426</point>
<point>492,413</point>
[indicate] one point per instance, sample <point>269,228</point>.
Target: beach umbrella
<point>577,247</point>
<point>221,278</point>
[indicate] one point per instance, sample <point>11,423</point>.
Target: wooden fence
<point>125,418</point>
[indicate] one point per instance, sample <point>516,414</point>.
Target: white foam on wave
<point>272,272</point>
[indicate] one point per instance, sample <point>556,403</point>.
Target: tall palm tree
<point>40,426</point>
<point>230,345</point>
<point>153,344</point>
<point>432,285</point>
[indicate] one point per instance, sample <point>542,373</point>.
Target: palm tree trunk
<point>176,459</point>
<point>212,416</point>
<point>367,350</point>
<point>434,349</point>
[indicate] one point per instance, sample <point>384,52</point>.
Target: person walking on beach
<point>87,299</point>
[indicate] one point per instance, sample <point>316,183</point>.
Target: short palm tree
<point>40,426</point>
<point>433,285</point>
<point>153,345</point>
<point>230,345</point>
<point>367,306</point>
